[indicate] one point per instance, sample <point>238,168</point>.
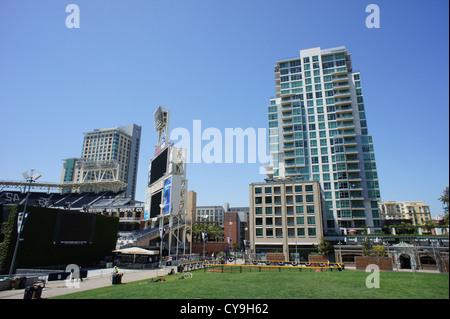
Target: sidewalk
<point>96,279</point>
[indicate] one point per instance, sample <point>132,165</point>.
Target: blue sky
<point>213,61</point>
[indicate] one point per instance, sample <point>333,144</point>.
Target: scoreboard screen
<point>158,167</point>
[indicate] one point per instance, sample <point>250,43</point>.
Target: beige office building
<point>285,217</point>
<point>416,211</point>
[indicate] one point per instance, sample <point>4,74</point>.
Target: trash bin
<point>15,282</point>
<point>22,282</point>
<point>116,279</point>
<point>28,294</point>
<point>37,291</point>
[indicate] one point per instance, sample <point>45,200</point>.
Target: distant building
<point>415,211</point>
<point>215,213</point>
<point>109,159</point>
<point>285,217</point>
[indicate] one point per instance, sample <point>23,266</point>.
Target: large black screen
<point>158,167</point>
<point>74,228</point>
<point>155,210</point>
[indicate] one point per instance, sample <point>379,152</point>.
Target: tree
<point>366,247</point>
<point>445,203</point>
<point>324,248</point>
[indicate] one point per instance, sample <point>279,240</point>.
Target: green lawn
<point>280,285</point>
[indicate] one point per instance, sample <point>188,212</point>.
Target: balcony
<point>346,125</point>
<point>344,109</point>
<point>289,155</point>
<point>341,94</point>
<point>341,85</point>
<point>343,101</point>
<point>350,142</point>
<point>345,117</point>
<point>288,131</point>
<point>339,79</point>
<point>351,150</point>
<point>286,124</point>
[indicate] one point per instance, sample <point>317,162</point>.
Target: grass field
<point>279,285</point>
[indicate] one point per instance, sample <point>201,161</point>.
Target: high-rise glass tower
<point>318,131</point>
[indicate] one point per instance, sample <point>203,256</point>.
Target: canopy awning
<point>136,251</point>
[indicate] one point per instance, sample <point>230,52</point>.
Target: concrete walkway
<point>96,279</point>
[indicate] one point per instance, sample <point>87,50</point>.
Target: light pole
<point>204,234</point>
<point>161,230</point>
<point>29,179</point>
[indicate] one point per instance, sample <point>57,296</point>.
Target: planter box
<point>5,285</point>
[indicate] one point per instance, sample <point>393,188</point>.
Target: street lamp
<point>204,234</point>
<point>29,179</point>
<point>161,230</point>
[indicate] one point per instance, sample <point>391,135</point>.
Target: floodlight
<point>36,176</point>
<point>159,119</point>
<point>25,175</point>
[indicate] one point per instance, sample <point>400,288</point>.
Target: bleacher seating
<point>66,201</point>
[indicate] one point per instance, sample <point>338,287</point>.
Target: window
<point>268,210</point>
<point>268,200</point>
<point>259,232</point>
<point>258,190</point>
<point>311,220</point>
<point>268,190</point>
<point>258,210</point>
<point>299,209</point>
<point>310,198</point>
<point>298,198</point>
<point>300,232</point>
<point>300,220</point>
<point>311,232</point>
<point>308,188</point>
<point>258,200</point>
<point>310,209</point>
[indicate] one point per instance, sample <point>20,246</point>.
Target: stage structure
<point>166,194</point>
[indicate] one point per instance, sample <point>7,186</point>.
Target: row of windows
<point>299,210</point>
<point>277,189</point>
<point>301,232</point>
<point>270,200</point>
<point>291,221</point>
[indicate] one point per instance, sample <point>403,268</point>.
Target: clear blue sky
<point>213,61</point>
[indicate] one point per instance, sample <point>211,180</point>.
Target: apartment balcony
<point>356,195</point>
<point>341,94</point>
<point>353,168</point>
<point>355,186</point>
<point>350,142</point>
<point>346,125</point>
<point>289,146</point>
<point>349,133</point>
<point>289,163</point>
<point>344,109</point>
<point>351,150</point>
<point>288,131</point>
<point>287,124</point>
<point>343,101</point>
<point>287,116</point>
<point>341,85</point>
<point>344,117</point>
<point>339,79</point>
<point>340,71</point>
<point>289,155</point>
<point>355,177</point>
<point>289,138</point>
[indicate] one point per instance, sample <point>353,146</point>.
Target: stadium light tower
<point>161,123</point>
<point>22,215</point>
